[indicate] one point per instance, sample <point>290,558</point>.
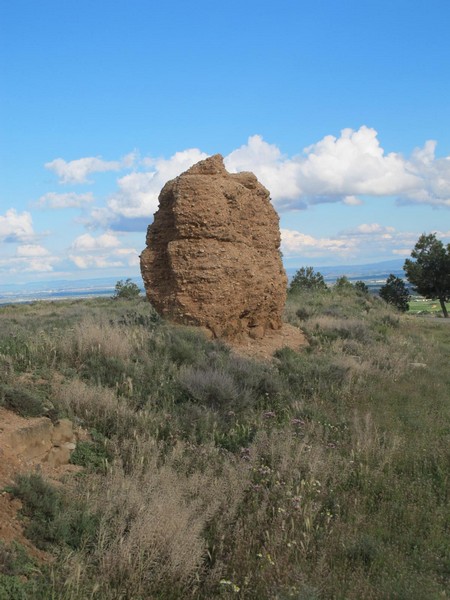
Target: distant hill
<point>63,288</point>
<point>370,271</point>
<point>374,274</point>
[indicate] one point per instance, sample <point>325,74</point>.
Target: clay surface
<point>27,446</point>
<point>212,257</point>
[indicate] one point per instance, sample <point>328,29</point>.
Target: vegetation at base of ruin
<point>320,475</point>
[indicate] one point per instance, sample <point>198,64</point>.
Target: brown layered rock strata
<point>213,253</point>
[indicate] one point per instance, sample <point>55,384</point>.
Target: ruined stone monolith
<point>213,253</point>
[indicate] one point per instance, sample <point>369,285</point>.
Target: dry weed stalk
<point>153,519</point>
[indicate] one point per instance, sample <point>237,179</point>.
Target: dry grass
<point>323,475</point>
<point>151,538</point>
<point>101,337</point>
<point>100,408</point>
<point>348,328</point>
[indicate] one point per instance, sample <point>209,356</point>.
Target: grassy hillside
<point>322,475</point>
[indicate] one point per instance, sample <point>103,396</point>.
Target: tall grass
<point>322,475</point>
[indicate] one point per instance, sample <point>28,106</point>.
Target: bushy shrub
<point>100,408</point>
<point>148,320</point>
<point>97,337</point>
<point>92,454</point>
<point>303,313</point>
<point>153,534</point>
<point>210,386</point>
<point>343,284</point>
<point>186,346</point>
<point>49,520</point>
<point>126,290</point>
<point>23,402</point>
<point>13,559</point>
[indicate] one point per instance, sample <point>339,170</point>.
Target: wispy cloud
<point>370,229</point>
<point>352,201</point>
<point>77,171</point>
<point>365,239</point>
<point>296,243</point>
<point>32,250</point>
<point>67,200</point>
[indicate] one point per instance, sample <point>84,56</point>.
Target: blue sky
<point>342,109</point>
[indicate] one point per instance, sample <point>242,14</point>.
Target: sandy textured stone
<point>60,455</point>
<point>63,432</point>
<point>32,440</point>
<point>213,253</point>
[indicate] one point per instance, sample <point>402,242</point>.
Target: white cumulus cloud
<point>15,226</point>
<point>87,242</point>
<point>102,252</point>
<point>346,168</point>
<point>276,172</point>
<point>29,258</point>
<point>333,169</point>
<point>137,195</point>
<point>98,262</point>
<point>295,243</point>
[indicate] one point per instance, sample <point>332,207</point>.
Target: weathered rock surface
<point>212,257</point>
<point>27,446</point>
<point>38,439</point>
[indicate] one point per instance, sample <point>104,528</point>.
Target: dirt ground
<point>12,463</point>
<point>263,349</point>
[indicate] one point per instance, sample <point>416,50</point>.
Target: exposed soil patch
<point>24,448</point>
<point>288,336</point>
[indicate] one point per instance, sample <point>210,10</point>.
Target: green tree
<point>307,279</point>
<point>429,272</point>
<point>395,292</point>
<point>343,283</point>
<point>361,287</point>
<point>126,290</point>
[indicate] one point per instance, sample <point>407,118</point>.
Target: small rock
<point>58,455</point>
<point>63,432</point>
